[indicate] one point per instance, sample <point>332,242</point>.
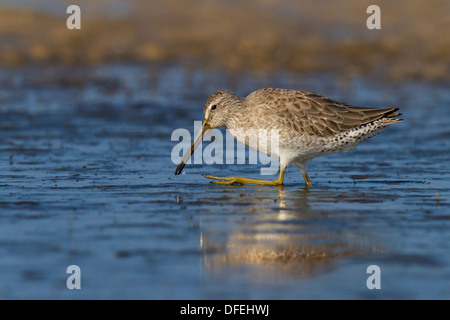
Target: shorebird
<point>308,125</point>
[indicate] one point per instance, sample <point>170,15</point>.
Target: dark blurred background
<point>306,36</point>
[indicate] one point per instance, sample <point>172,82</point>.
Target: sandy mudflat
<point>312,36</point>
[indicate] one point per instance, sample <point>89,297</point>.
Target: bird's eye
<point>214,107</point>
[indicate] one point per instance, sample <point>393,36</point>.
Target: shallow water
<point>86,179</point>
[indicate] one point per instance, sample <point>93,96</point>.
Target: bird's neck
<point>237,110</point>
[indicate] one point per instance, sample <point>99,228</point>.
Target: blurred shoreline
<point>252,35</point>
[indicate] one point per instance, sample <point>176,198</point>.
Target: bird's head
<point>216,109</point>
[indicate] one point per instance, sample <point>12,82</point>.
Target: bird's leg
<point>307,180</point>
<point>239,180</point>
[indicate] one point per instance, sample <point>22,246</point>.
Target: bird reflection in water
<point>279,234</point>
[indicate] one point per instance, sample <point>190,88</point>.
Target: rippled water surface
<point>86,179</point>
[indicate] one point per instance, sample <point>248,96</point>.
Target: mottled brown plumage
<point>314,114</point>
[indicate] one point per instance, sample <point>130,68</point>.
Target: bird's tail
<point>390,115</point>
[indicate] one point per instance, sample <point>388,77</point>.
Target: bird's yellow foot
<point>224,180</point>
<point>307,180</point>
<point>240,180</point>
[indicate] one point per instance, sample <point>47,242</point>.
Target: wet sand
<point>86,179</point>
<point>294,36</point>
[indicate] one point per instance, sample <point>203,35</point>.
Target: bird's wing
<point>314,114</point>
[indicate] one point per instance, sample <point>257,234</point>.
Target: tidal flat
<point>86,179</point>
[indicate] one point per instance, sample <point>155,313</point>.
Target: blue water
<point>86,179</point>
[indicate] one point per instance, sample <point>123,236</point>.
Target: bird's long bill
<point>197,140</point>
